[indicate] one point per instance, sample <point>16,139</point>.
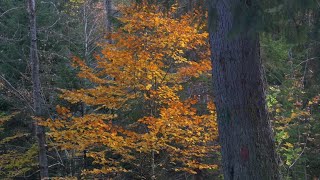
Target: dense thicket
<point>126,89</point>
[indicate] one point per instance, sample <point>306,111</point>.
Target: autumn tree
<point>137,113</point>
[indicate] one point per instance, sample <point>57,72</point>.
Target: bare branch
<point>18,94</point>
<point>7,11</point>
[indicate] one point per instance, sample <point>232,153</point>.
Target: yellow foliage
<point>14,163</point>
<point>145,66</point>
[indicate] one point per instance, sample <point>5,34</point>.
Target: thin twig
<point>9,11</point>
<point>17,92</point>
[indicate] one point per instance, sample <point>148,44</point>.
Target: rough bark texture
<point>37,105</point>
<point>246,137</point>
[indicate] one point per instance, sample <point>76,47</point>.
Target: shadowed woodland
<point>160,89</point>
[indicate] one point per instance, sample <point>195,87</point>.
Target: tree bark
<point>246,137</point>
<point>108,10</point>
<point>37,99</point>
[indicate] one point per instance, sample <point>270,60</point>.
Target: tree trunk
<point>108,10</point>
<point>246,137</point>
<point>37,105</point>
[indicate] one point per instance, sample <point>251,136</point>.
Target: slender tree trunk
<point>85,31</point>
<point>108,10</point>
<point>37,105</point>
<point>153,166</point>
<point>190,5</point>
<point>246,137</point>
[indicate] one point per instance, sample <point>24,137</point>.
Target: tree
<point>138,122</point>
<point>37,99</point>
<point>58,32</point>
<point>293,110</point>
<point>246,137</point>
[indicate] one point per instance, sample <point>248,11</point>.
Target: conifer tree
<point>246,137</point>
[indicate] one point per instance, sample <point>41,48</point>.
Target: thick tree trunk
<point>246,137</point>
<point>37,105</point>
